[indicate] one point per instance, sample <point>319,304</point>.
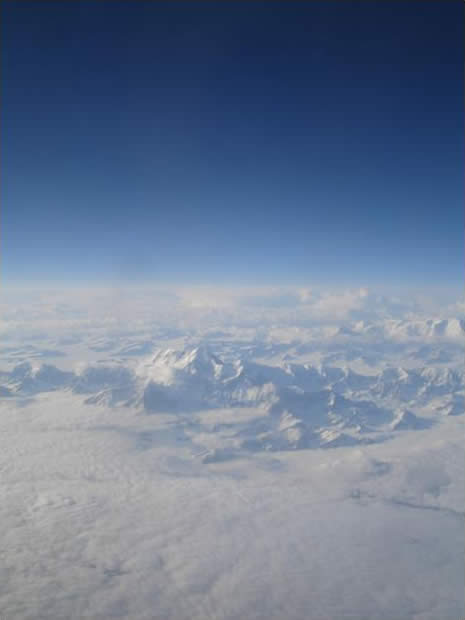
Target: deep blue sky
<point>232,142</point>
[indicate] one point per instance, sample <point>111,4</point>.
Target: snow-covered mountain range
<point>300,405</point>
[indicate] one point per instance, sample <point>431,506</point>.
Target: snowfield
<point>226,454</point>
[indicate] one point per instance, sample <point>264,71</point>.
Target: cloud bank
<point>204,453</point>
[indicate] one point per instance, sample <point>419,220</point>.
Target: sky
<point>232,142</point>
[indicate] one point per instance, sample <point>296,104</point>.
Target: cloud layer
<point>164,454</point>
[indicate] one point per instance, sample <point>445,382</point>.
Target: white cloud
<point>111,513</point>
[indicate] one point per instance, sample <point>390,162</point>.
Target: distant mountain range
<point>301,405</point>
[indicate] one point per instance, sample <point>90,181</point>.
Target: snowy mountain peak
<point>196,357</point>
<point>175,367</point>
<point>199,358</point>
